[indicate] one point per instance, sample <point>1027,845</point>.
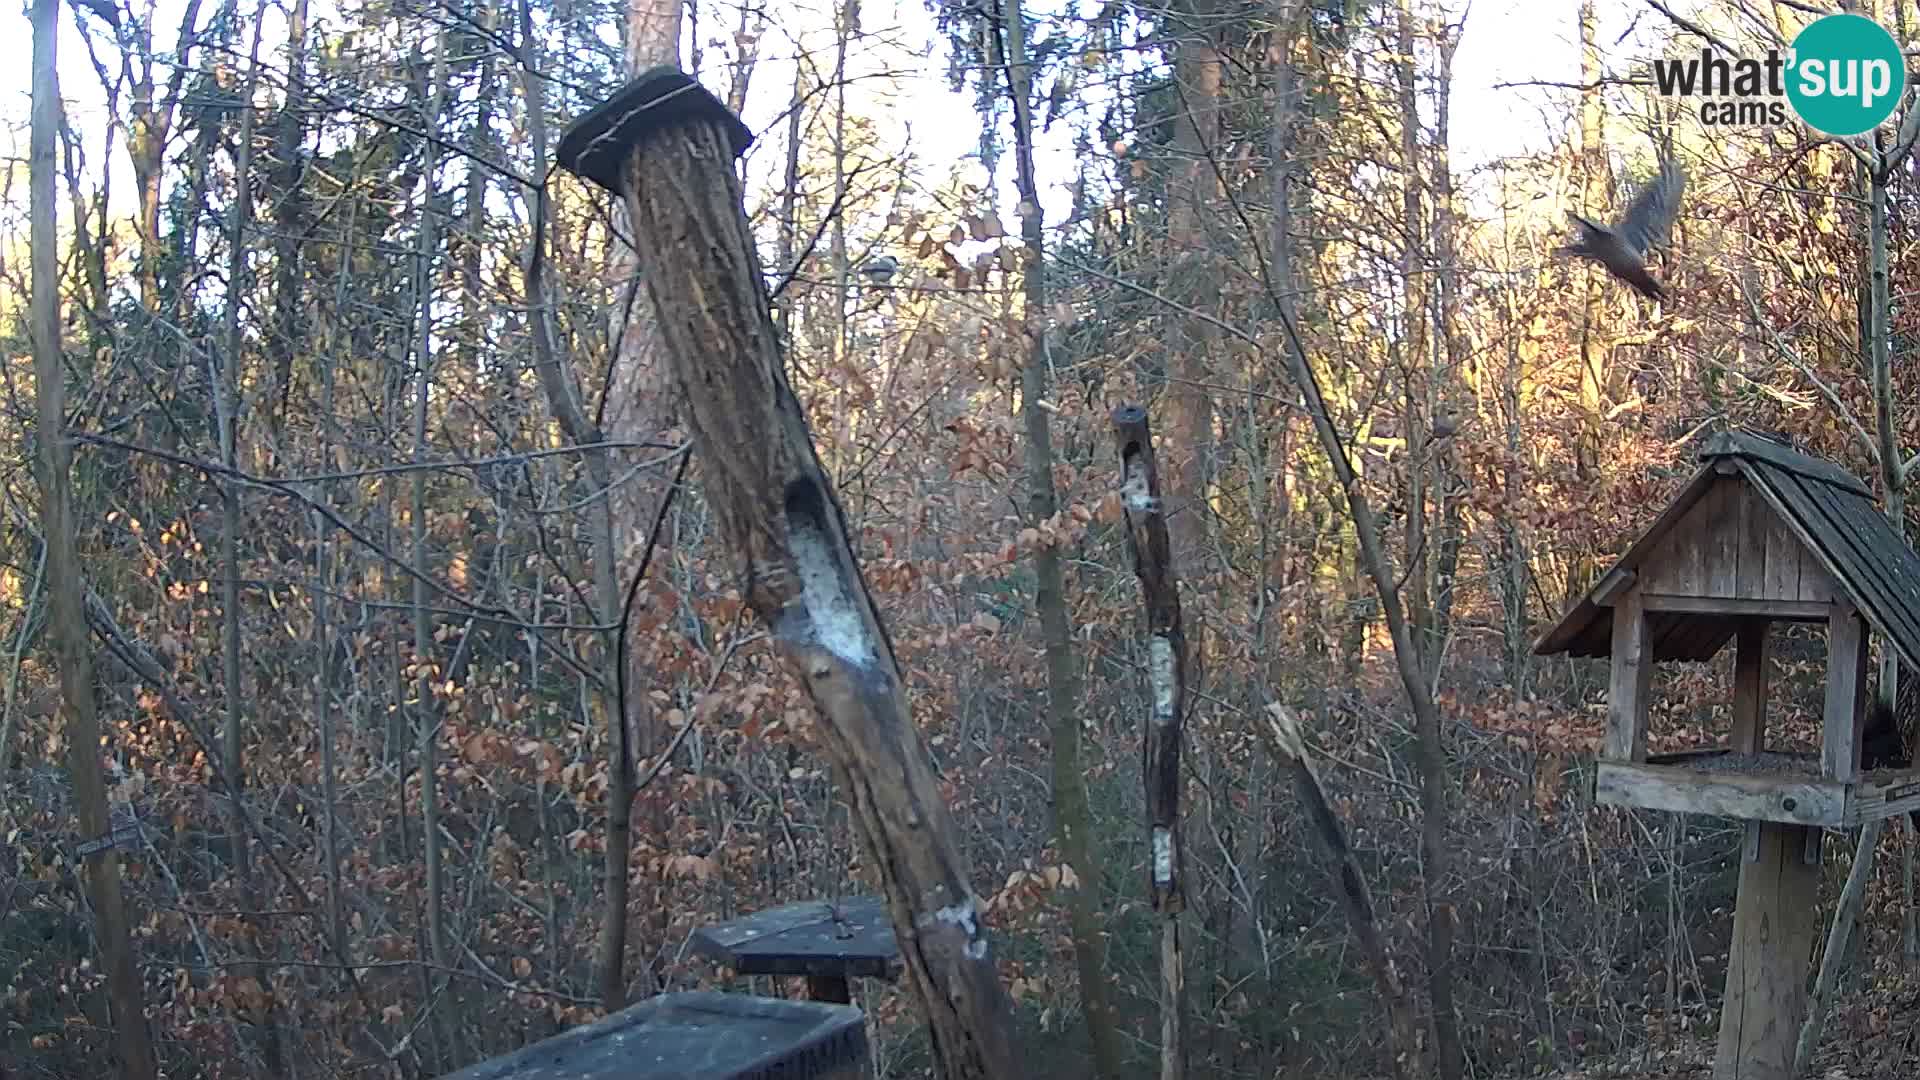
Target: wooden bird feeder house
<point>1761,534</point>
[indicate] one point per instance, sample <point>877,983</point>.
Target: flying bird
<point>1622,249</point>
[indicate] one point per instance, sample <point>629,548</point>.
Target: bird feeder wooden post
<point>667,146</point>
<point>1761,534</point>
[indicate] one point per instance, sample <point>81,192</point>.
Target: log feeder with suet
<point>667,146</point>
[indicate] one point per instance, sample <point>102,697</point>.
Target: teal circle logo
<point>1847,75</point>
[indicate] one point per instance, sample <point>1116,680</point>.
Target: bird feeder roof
<point>1829,511</point>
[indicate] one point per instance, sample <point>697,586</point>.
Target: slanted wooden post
<point>1167,679</point>
<point>668,147</point>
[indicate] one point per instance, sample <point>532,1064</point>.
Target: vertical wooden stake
<point>1167,677</point>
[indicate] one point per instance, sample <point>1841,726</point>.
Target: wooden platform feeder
<point>697,1036</point>
<point>828,942</point>
<point>1761,534</point>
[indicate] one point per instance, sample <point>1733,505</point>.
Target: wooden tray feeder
<point>1761,534</point>
<point>829,942</point>
<point>697,1036</point>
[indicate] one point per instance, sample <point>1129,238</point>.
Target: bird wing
<point>1649,217</point>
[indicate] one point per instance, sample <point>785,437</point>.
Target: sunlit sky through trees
<point>901,83</point>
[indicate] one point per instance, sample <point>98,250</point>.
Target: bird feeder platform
<point>697,1036</point>
<point>828,942</point>
<point>1761,534</point>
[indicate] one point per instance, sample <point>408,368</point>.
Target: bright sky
<point>1504,41</point>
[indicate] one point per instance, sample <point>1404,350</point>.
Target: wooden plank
<point>1754,519</point>
<point>1846,690</point>
<point>1816,584</point>
<point>1612,585</point>
<point>1631,674</point>
<point>697,1033</point>
<point>1721,542</point>
<point>1769,796</point>
<point>1773,929</point>
<point>1888,794</point>
<point>1795,610</point>
<point>854,936</point>
<point>1782,561</point>
<point>1751,662</point>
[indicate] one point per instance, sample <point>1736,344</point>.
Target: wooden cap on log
<point>597,145</point>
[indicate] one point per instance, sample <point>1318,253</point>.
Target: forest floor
<point>1871,1035</point>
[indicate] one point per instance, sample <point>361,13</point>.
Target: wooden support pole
<point>1167,679</point>
<point>668,147</point>
<point>1846,693</point>
<point>1751,660</point>
<point>1773,931</point>
<point>1632,675</point>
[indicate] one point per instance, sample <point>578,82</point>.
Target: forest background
<point>358,507</point>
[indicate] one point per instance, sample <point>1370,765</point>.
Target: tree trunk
<point>232,755</point>
<point>426,717</point>
<point>1594,349</point>
<point>289,224</point>
<point>1451,366</point>
<point>66,617</point>
<point>772,502</point>
<point>1198,68</point>
<point>1072,818</point>
<point>1412,343</point>
<point>636,409</point>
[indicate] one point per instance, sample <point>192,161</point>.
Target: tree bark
<point>66,615</point>
<point>778,513</point>
<point>1073,820</point>
<point>1594,349</point>
<point>426,715</point>
<point>1167,683</point>
<point>1412,344</point>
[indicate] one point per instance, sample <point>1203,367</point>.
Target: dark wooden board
<point>848,937</point>
<point>694,1036</point>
